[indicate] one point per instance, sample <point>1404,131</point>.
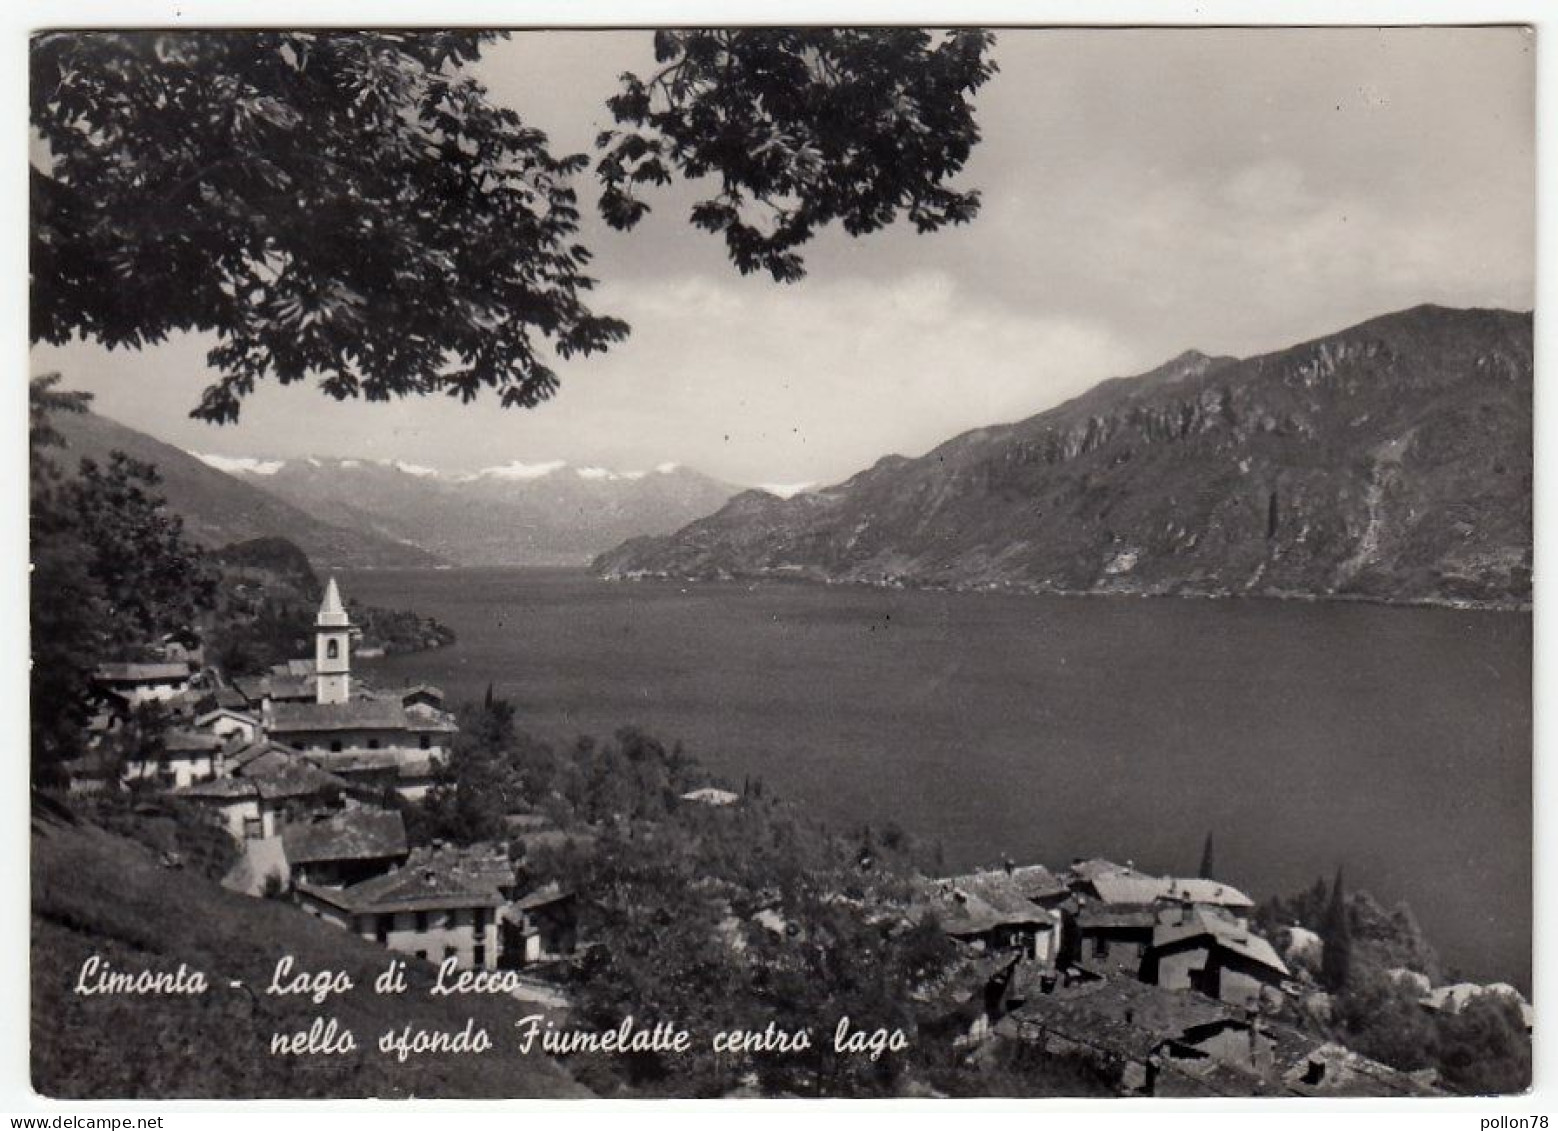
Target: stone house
<point>991,912</point>
<point>1113,936</point>
<point>438,905</point>
<point>1216,956</point>
<point>137,684</point>
<point>344,847</point>
<point>265,785</point>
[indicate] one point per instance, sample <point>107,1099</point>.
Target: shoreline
<point>1028,590</point>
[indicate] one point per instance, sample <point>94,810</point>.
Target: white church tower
<point>332,649</point>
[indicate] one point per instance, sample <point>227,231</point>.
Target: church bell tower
<point>332,649</point>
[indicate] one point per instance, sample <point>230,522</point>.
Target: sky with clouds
<point>1146,192</point>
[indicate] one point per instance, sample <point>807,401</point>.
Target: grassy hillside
<point>96,893</point>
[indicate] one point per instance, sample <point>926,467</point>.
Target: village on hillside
<point>1162,985</point>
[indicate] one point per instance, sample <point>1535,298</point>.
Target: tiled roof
<point>278,686</point>
<point>1182,1078</point>
<point>1343,1071</point>
<point>192,742</point>
<point>141,673</point>
<point>352,834</point>
<point>357,714</point>
<point>226,711</point>
<point>1037,882</point>
<point>250,688</point>
<point>240,758</point>
<point>1129,886</point>
<point>1097,916</point>
<point>232,698</point>
<point>220,789</point>
<point>1121,1015</point>
<point>270,772</point>
<point>1091,869</point>
<point>1231,936</point>
<point>1213,892</point>
<point>981,901</point>
<point>427,881</point>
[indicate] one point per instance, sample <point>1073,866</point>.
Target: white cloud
<point>813,382</point>
<point>666,468</point>
<point>521,470</point>
<point>238,465</point>
<point>594,473</point>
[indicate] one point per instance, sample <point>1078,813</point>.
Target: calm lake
<point>1393,741</point>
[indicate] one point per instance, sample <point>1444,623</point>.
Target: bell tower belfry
<point>332,649</point>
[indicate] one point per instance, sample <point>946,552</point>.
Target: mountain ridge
<point>541,514</point>
<point>219,509</point>
<point>1387,461</point>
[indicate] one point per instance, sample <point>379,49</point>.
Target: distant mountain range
<point>365,513</point>
<point>515,514</point>
<point>220,509</point>
<point>1390,461</point>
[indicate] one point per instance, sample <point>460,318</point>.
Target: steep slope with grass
<point>96,893</point>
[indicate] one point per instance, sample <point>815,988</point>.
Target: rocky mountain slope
<point>1390,461</point>
<point>219,509</point>
<point>516,514</point>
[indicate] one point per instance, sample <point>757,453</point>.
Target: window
<point>335,746</point>
<point>477,915</point>
<point>422,921</point>
<point>373,744</point>
<point>332,649</point>
<point>253,828</point>
<point>479,957</point>
<point>427,741</point>
<point>422,954</point>
<point>385,923</point>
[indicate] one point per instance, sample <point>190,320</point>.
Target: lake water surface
<point>1393,741</point>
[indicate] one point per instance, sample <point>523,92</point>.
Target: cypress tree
<point>1206,859</point>
<point>1336,962</point>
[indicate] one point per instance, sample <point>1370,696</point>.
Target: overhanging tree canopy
<point>353,207</point>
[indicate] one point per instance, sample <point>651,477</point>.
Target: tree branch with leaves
<point>352,208</point>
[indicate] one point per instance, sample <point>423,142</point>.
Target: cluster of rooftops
<point>1158,980</point>
<point>315,707</point>
<point>298,763</point>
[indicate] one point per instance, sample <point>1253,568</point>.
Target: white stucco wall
<point>448,931</point>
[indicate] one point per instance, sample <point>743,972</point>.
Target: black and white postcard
<point>769,562</point>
